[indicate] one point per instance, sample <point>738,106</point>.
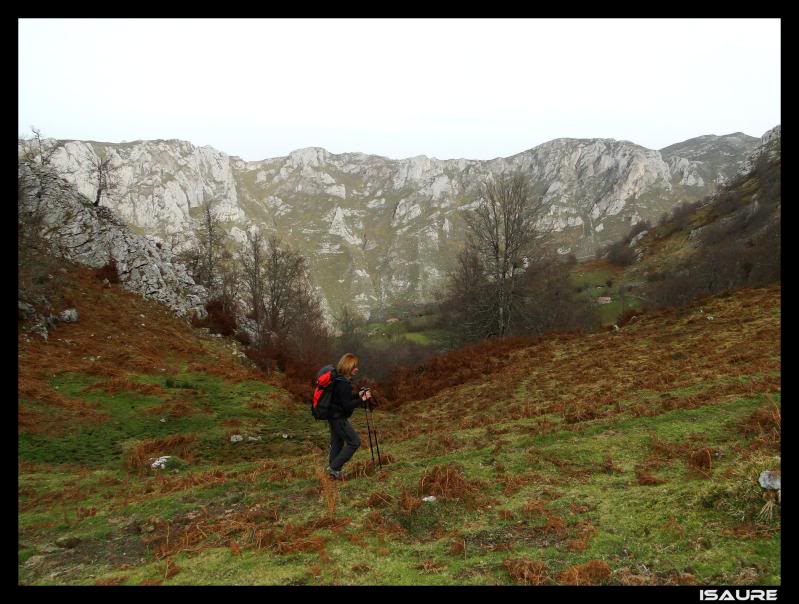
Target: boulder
<point>40,328</point>
<point>236,438</point>
<point>634,241</point>
<point>160,463</point>
<point>49,548</point>
<point>70,315</point>
<point>25,309</point>
<point>131,526</point>
<point>168,462</point>
<point>770,480</point>
<point>34,561</point>
<point>67,542</point>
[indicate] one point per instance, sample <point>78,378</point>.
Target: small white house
<point>603,300</point>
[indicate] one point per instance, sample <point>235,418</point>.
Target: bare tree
<point>501,233</point>
<point>230,275</point>
<point>40,177</point>
<point>286,275</point>
<point>104,174</point>
<point>468,303</point>
<point>285,305</point>
<point>274,277</point>
<point>307,338</point>
<point>251,260</point>
<point>39,150</point>
<point>209,247</point>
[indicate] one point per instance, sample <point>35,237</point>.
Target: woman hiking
<point>344,440</point>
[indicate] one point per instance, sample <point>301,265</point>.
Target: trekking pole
<point>369,429</point>
<point>379,459</point>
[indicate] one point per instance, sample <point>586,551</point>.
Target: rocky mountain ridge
<point>379,231</point>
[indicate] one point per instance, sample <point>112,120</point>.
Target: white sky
<point>445,88</point>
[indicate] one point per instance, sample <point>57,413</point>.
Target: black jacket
<point>344,401</point>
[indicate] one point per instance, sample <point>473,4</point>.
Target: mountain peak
<point>308,156</point>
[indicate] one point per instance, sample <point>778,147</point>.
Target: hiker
<point>344,440</point>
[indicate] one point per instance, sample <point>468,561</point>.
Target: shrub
<point>682,213</point>
<point>421,380</point>
<point>527,571</point>
<point>593,572</point>
<point>447,482</point>
<point>636,229</point>
<point>629,316</point>
<point>765,426</point>
<point>621,254</point>
<point>108,271</point>
<point>221,318</point>
<point>727,265</point>
<point>263,359</point>
<point>379,362</point>
<point>378,499</point>
<point>243,337</point>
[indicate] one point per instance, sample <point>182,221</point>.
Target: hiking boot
<point>334,474</point>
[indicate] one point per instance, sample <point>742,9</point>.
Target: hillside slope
<point>621,457</point>
<point>741,213</point>
<point>728,240</point>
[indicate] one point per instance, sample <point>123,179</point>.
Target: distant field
<point>594,277</point>
<point>414,330</point>
<point>594,273</point>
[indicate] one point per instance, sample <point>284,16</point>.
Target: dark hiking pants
<point>344,441</point>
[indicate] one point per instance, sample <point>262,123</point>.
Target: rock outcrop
<point>79,232</point>
<point>770,146</point>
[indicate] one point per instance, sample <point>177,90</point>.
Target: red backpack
<point>323,392</point>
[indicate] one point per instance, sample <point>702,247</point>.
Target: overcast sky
<point>475,89</point>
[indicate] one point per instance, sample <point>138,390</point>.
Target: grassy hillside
<point>620,457</point>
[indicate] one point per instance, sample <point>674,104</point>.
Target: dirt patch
<point>521,533</point>
<point>117,551</point>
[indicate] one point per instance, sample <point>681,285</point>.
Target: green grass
<point>585,277</point>
<point>214,401</point>
<point>632,519</point>
<point>685,526</point>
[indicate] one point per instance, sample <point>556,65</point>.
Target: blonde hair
<point>347,364</point>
